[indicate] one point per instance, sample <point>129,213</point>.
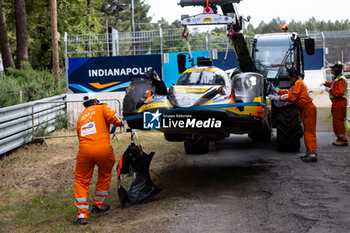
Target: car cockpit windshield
<point>202,77</point>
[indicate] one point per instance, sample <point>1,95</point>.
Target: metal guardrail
<point>18,123</point>
<point>23,123</point>
<point>75,107</point>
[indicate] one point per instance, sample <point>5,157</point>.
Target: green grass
<point>46,209</point>
<point>325,117</point>
<point>38,211</point>
<point>37,186</point>
<point>37,190</point>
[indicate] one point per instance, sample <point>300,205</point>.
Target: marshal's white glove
<point>274,89</point>
<point>327,89</point>
<point>323,84</point>
<point>274,97</point>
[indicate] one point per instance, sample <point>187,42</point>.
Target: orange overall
<point>94,149</point>
<point>338,95</point>
<point>298,94</point>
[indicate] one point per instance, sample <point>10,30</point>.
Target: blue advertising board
<point>107,74</point>
<point>315,61</point>
<point>231,61</point>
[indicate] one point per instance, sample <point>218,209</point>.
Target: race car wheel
<point>289,129</point>
<point>196,144</point>
<point>264,135</point>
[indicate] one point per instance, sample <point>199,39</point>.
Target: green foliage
<point>312,25</point>
<point>41,130</point>
<point>121,19</point>
<point>61,120</point>
<point>77,17</point>
<point>46,207</point>
<point>9,92</point>
<point>32,83</point>
<point>73,18</point>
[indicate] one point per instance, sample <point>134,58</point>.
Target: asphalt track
<point>241,186</point>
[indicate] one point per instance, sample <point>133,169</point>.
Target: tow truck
<point>244,105</point>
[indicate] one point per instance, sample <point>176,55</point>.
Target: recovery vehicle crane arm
<point>233,21</point>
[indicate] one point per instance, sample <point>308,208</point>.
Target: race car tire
<point>172,137</point>
<point>264,135</point>
<point>196,144</point>
<point>288,124</point>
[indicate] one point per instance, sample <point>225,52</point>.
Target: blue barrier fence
<point>107,74</point>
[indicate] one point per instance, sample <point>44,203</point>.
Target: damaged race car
<point>134,183</point>
<point>205,104</point>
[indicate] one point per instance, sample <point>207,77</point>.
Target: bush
<point>34,85</point>
<point>9,92</point>
<point>61,120</point>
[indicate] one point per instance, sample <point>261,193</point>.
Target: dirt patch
<point>240,186</point>
<point>41,178</point>
<point>37,167</point>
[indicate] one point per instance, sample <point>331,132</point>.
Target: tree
<point>21,32</point>
<point>89,6</point>
<point>55,38</point>
<point>111,9</point>
<point>250,30</point>
<point>312,25</point>
<point>73,18</point>
<point>4,42</point>
<point>118,13</point>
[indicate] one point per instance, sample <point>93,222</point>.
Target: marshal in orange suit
<point>94,149</point>
<point>338,95</point>
<point>298,94</point>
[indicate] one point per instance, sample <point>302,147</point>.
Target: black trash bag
<point>136,163</point>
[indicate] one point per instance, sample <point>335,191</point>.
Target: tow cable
<point>185,35</point>
<point>230,34</point>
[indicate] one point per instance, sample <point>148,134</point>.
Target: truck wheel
<point>172,137</point>
<point>289,129</point>
<point>196,144</point>
<point>264,135</point>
